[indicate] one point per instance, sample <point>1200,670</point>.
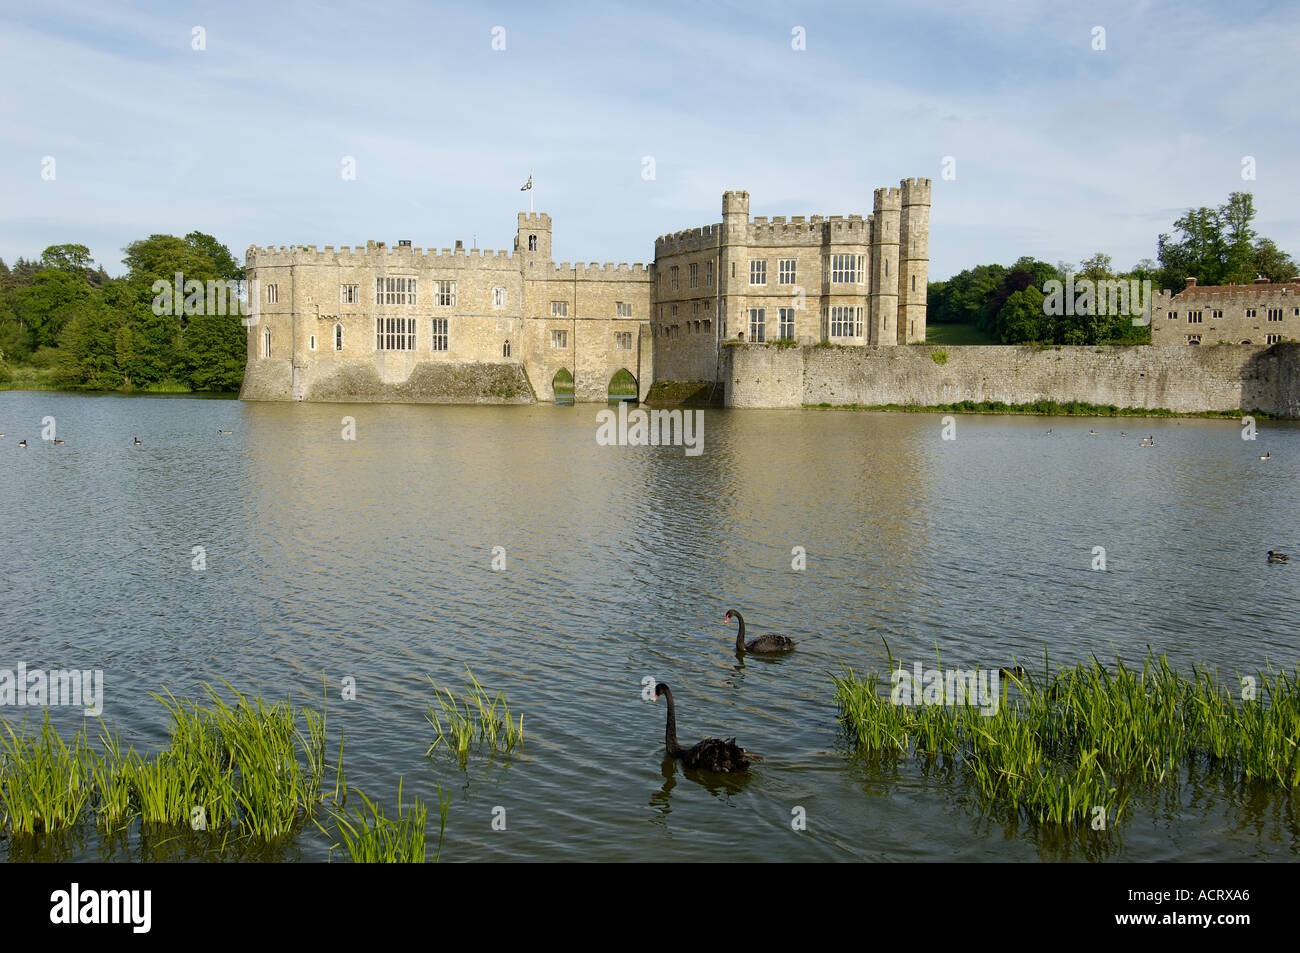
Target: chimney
<point>1191,282</point>
<point>460,245</point>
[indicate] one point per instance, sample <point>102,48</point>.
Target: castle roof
<point>1258,288</point>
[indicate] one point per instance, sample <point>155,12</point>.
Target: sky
<point>118,121</point>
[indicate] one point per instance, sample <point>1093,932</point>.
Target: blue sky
<point>1060,150</point>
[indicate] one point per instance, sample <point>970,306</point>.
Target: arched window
<point>338,337</point>
<point>532,243</point>
<point>505,349</point>
<point>311,343</point>
<point>266,343</point>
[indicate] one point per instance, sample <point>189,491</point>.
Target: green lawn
<point>956,334</point>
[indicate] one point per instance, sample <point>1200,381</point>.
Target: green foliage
<point>1219,246</point>
<point>939,356</point>
<point>1060,746</point>
<point>105,330</point>
<point>473,719</point>
<point>370,837</point>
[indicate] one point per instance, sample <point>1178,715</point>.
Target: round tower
<point>914,260</point>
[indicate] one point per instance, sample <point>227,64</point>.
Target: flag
<point>527,185</point>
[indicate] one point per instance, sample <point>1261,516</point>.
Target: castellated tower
<point>733,262</point>
<point>914,260</point>
<point>735,210</point>
<point>883,297</point>
<point>533,241</point>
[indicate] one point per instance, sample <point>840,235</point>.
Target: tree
<point>71,258</point>
<point>1273,263</point>
<point>1022,320</point>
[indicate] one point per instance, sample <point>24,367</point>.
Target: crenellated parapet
<point>915,192</point>
<point>380,255</point>
<point>591,271</point>
<point>689,240</point>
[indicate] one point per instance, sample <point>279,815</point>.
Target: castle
<point>401,323</point>
<point>1259,313</point>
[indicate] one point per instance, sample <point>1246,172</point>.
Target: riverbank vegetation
<point>1003,304</point>
<point>66,325</point>
<point>1039,408</point>
<point>1070,747</point>
<point>237,777</point>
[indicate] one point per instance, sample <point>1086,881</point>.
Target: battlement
<point>735,205</point>
<point>915,191</point>
<point>534,219</point>
<point>689,239</point>
<point>601,272</point>
<point>798,231</point>
<point>888,200</point>
<point>379,255</point>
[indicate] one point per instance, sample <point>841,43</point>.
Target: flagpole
<point>530,193</point>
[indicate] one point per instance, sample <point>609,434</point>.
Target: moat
<point>373,558</point>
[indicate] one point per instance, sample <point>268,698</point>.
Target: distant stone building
<point>1259,313</point>
<point>853,281</point>
<point>401,323</point>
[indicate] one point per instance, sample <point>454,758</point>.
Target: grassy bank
<point>1060,747</point>
<point>1042,408</point>
<point>690,393</point>
<point>957,335</point>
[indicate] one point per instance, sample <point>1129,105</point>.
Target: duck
<point>721,755</point>
<point>58,442</point>
<point>1092,433</point>
<point>1276,557</point>
<point>1049,431</point>
<point>225,431</point>
<point>1266,456</point>
<point>23,444</point>
<point>762,644</point>
<point>137,442</point>
<point>1123,433</point>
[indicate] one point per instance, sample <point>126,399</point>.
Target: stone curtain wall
<point>1181,379</point>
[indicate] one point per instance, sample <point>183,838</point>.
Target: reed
<point>370,837</point>
<point>44,783</point>
<point>1058,748</point>
<point>472,719</point>
<point>243,767</point>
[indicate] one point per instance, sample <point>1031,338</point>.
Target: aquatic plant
<point>1065,746</point>
<point>43,782</point>
<point>472,718</point>
<point>370,837</point>
<point>244,767</point>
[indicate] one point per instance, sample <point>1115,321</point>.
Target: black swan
<point>711,754</point>
<point>764,643</point>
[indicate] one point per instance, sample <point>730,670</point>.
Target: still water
<point>372,558</point>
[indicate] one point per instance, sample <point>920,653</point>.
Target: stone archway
<point>562,386</point>
<point>622,387</point>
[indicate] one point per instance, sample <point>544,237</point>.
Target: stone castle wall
<point>1187,379</point>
